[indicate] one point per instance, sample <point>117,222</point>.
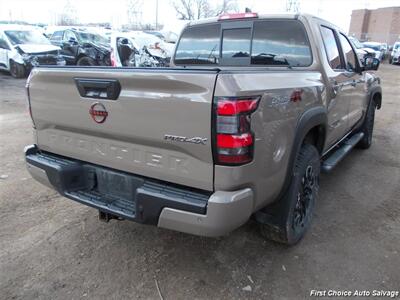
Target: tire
<point>368,127</point>
<point>291,216</point>
<point>86,61</point>
<point>17,70</point>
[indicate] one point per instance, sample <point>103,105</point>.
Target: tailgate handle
<point>98,88</point>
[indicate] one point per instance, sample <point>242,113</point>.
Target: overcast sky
<point>336,11</point>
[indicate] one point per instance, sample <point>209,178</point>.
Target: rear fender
<point>376,90</point>
<point>315,116</point>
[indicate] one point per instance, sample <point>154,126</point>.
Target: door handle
<point>336,87</point>
<point>98,88</point>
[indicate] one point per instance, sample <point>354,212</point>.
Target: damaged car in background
<point>82,48</point>
<point>362,51</point>
<point>24,47</point>
<point>139,49</point>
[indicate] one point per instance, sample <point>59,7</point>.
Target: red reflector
<point>238,16</point>
<point>296,95</point>
<point>234,141</point>
<point>233,107</point>
<point>112,58</point>
<point>234,159</point>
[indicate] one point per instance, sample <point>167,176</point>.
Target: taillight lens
<point>234,141</point>
<point>112,58</point>
<point>229,107</point>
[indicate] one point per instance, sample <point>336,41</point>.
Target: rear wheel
<point>368,127</point>
<point>291,216</point>
<point>86,61</point>
<point>17,70</point>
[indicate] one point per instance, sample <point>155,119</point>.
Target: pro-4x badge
<point>184,139</point>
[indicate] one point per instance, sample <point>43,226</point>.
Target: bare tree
<point>69,15</point>
<point>226,7</point>
<point>197,9</point>
<point>293,6</point>
<point>134,12</point>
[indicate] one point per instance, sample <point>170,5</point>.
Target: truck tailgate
<point>159,126</point>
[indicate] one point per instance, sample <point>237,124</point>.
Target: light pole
<point>156,14</point>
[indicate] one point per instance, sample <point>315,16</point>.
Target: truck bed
<point>152,128</point>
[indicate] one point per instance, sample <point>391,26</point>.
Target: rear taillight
<point>234,141</point>
<point>112,58</point>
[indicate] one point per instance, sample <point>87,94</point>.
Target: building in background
<point>378,25</point>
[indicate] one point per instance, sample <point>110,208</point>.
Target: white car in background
<point>139,49</point>
<point>377,47</point>
<point>362,52</point>
<point>24,47</point>
<point>170,37</point>
<point>148,40</point>
<point>395,55</point>
<point>385,49</point>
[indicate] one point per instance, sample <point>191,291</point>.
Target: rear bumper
<point>144,200</point>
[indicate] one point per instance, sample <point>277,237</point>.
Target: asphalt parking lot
<point>53,248</point>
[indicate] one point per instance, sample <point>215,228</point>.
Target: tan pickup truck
<point>252,108</point>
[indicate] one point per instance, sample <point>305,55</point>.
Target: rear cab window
<point>280,42</point>
<point>236,43</point>
<point>199,46</point>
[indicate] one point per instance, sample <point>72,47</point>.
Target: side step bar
<point>337,155</point>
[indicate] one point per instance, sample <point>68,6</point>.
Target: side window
<point>3,42</point>
<point>331,48</point>
<point>348,53</point>
<point>68,35</point>
<point>57,36</point>
<point>199,45</point>
<point>280,42</point>
<point>236,43</point>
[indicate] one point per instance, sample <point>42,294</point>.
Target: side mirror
<point>124,41</point>
<point>72,41</point>
<point>371,63</point>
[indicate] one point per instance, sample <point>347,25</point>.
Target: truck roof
<point>260,17</point>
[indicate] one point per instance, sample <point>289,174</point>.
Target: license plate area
<point>109,191</point>
<point>116,184</point>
